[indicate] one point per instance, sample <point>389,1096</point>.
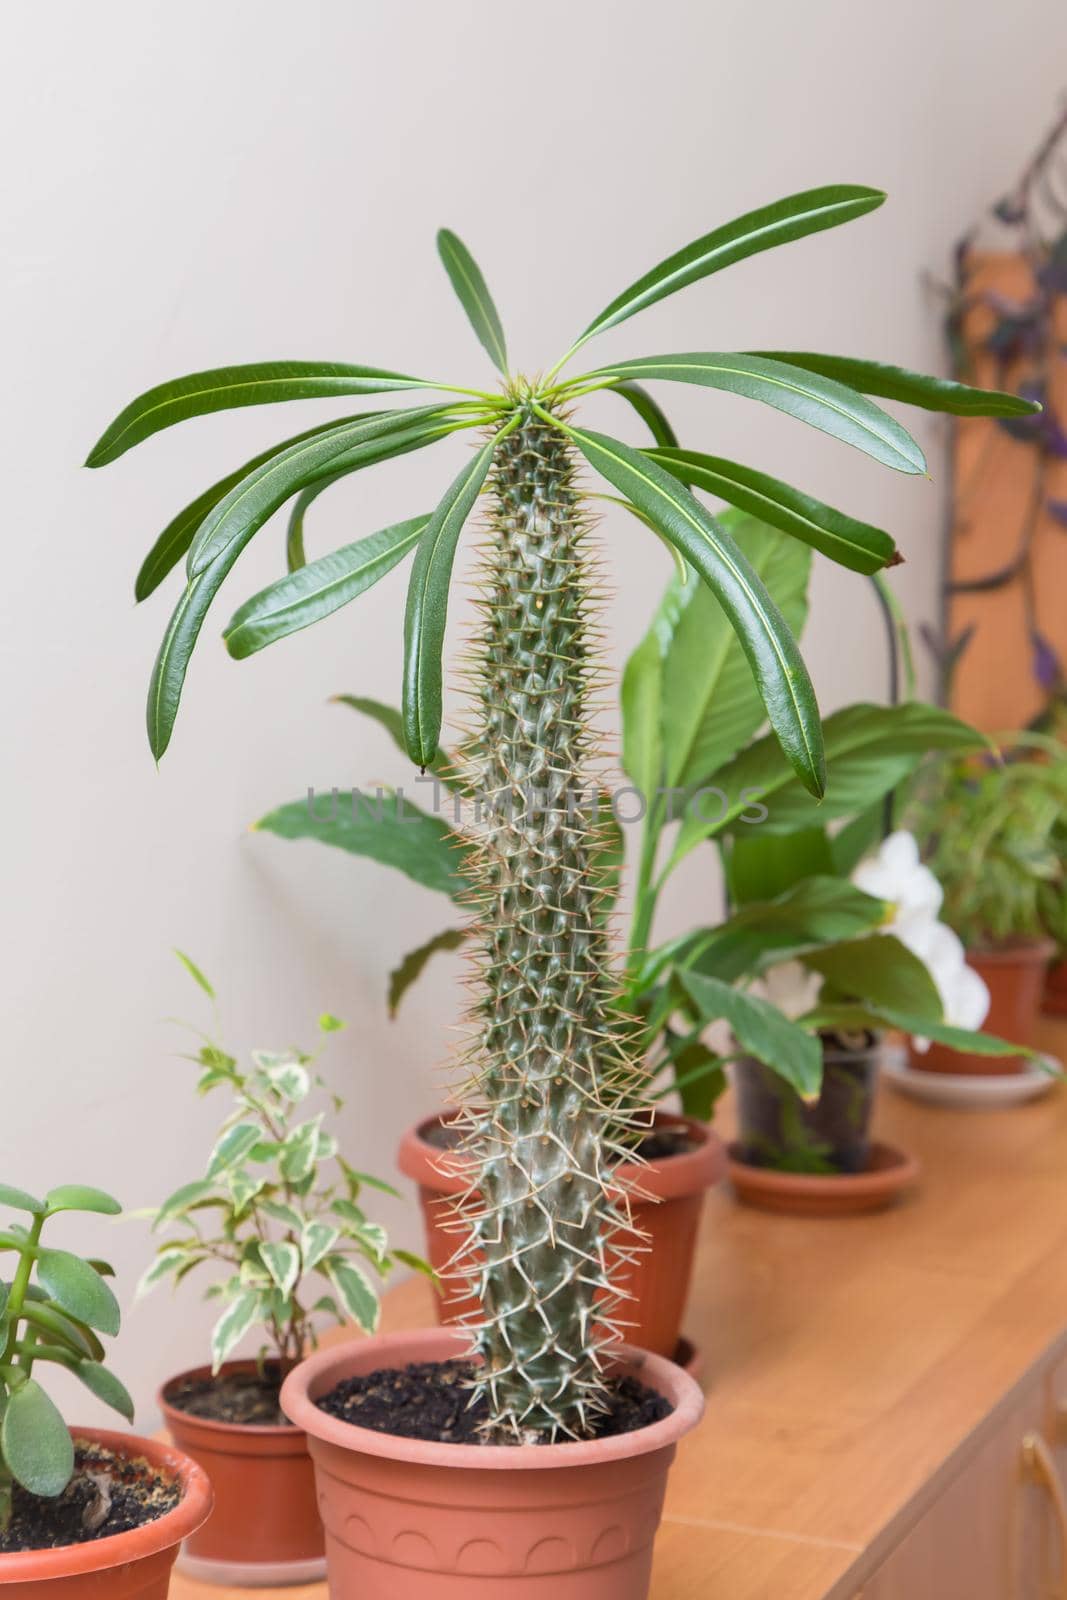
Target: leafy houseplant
<point>552,1075</point>
<point>76,1489</point>
<point>278,1213</point>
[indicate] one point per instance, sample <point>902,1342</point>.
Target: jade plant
<point>52,1310</point>
<point>552,1076</point>
<point>277,1210</point>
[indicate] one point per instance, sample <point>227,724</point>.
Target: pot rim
<point>135,1544</point>
<point>189,1419</point>
<point>322,1371</point>
<point>1010,952</point>
<point>665,1177</point>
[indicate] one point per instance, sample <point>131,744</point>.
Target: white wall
<point>202,183</point>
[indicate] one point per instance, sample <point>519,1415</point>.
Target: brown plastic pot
<point>1015,976</point>
<point>408,1519</point>
<point>1054,998</point>
<point>667,1221</point>
<point>127,1566</point>
<point>265,1528</point>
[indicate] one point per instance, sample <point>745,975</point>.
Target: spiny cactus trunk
<point>551,1073</point>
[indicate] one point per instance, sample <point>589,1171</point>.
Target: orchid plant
<point>552,1072</point>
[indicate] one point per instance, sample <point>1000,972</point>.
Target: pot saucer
<point>967,1090</point>
<point>805,1194</point>
<point>252,1574</point>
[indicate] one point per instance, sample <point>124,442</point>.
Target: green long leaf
<point>771,649</point>
<point>443,764</point>
<point>222,388</point>
<point>318,590</point>
<point>649,410</point>
<point>852,544</point>
<point>872,1016</point>
<point>35,1442</point>
<point>820,402</point>
<point>474,296</point>
<point>387,829</point>
<point>295,554</point>
<point>411,967</point>
<point>762,229</point>
<point>180,531</point>
<point>761,1029</point>
<point>427,608</point>
<point>912,388</point>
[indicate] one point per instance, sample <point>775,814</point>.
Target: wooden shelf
<point>852,1365</point>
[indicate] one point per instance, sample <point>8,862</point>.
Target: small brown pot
<point>265,1529</point>
<point>413,1520</point>
<point>1015,975</point>
<point>1054,998</point>
<point>127,1566</point>
<point>658,1279</point>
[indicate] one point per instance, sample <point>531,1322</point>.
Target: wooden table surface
<point>848,1360</point>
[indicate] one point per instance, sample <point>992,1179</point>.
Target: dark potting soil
<point>656,1145</point>
<point>108,1494</point>
<point>430,1400</point>
<point>248,1399</point>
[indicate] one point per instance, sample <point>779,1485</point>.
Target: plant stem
<point>19,1284</point>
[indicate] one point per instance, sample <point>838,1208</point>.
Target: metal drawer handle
<point>1040,1468</point>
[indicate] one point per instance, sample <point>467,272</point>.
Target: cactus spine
<point>550,1073</point>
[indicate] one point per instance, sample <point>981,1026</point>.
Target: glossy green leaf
<point>474,296</point>
<point>319,589</point>
<point>831,407</point>
<point>779,223</point>
<point>35,1442</point>
<point>77,1289</point>
<point>181,530</point>
<point>872,1016</point>
<point>762,866</point>
<point>881,970</point>
<point>233,1147</point>
<point>282,1261</point>
<point>869,750</point>
<point>223,388</point>
<point>232,1326</point>
<point>316,1241</point>
<point>388,829</point>
<point>61,1329</point>
<point>852,544</point>
<point>649,410</point>
<point>295,553</point>
<point>354,1290</point>
<point>78,1197</point>
<point>912,388</point>
<point>403,976</point>
<point>771,650</point>
<point>761,1030</point>
<point>443,765</point>
<point>427,608</point>
<point>105,1386</point>
<point>19,1200</point>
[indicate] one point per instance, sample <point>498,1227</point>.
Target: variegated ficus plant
<point>552,1083</point>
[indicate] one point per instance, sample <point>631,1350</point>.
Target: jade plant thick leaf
<point>53,1308</point>
<point>551,1069</point>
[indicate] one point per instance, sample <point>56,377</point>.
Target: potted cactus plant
<point>544,1452</point>
<point>84,1512</point>
<point>278,1215</point>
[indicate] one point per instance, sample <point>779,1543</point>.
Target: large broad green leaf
<point>78,1289</point>
<point>850,543</point>
<point>35,1442</point>
<point>784,220</point>
<point>869,750</point>
<point>772,652</point>
<point>913,388</point>
<point>760,1029</point>
<point>649,410</point>
<point>761,865</point>
<point>388,829</point>
<point>427,608</point>
<point>709,702</point>
<point>851,1018</point>
<point>881,970</point>
<point>820,402</point>
<point>474,296</point>
<point>411,968</point>
<point>180,531</point>
<point>319,589</point>
<point>223,388</point>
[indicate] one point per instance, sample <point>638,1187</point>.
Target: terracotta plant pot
<point>1054,998</point>
<point>411,1520</point>
<point>776,1129</point>
<point>127,1566</point>
<point>659,1278</point>
<point>265,1528</point>
<point>1015,976</point>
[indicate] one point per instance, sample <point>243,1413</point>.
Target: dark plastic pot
<point>777,1129</point>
